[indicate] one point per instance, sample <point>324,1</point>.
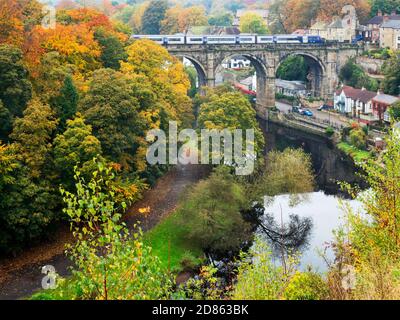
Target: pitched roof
<point>379,19</point>
<point>392,24</point>
<point>357,94</point>
<point>386,99</point>
<point>351,92</point>
<point>365,96</point>
<point>320,25</point>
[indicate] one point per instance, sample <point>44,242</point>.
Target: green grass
<point>169,243</point>
<point>357,154</point>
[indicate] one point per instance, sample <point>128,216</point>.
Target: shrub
<point>330,131</point>
<point>306,286</point>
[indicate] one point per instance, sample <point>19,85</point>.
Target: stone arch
<point>201,71</point>
<point>263,89</point>
<point>317,71</point>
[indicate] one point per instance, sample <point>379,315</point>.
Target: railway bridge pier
<point>324,62</point>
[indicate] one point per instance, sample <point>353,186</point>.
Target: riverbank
<point>21,276</point>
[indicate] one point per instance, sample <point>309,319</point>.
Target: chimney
<point>393,13</point>
<point>386,18</point>
<point>379,13</point>
<point>363,89</point>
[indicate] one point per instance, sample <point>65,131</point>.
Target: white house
<point>357,103</point>
<point>238,62</point>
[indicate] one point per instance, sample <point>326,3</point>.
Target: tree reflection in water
<point>286,237</point>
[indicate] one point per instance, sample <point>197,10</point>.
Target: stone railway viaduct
<point>324,61</point>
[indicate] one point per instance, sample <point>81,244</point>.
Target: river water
<point>324,207</point>
<point>326,214</point>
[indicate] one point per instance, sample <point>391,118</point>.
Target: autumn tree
<point>231,111</point>
<point>153,15</point>
<point>253,23</point>
<point>76,147</point>
<point>32,135</point>
<point>50,76</point>
<point>166,77</point>
<point>180,20</point>
<point>112,110</point>
<point>29,201</point>
<point>17,18</point>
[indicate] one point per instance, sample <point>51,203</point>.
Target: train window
<point>196,39</point>
<point>246,39</point>
<point>175,39</point>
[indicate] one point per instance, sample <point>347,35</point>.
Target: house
<point>363,106</point>
<point>345,99</point>
<point>380,105</point>
<point>241,12</point>
<point>320,28</point>
<point>237,62</point>
<point>356,103</point>
<point>291,88</point>
<point>287,88</point>
<point>374,24</point>
<point>389,34</point>
<point>343,29</point>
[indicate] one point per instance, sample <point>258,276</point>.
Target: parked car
<point>307,112</point>
<point>297,109</point>
<point>324,107</point>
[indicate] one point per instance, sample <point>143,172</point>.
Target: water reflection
<point>315,216</point>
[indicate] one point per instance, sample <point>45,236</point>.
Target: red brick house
<point>381,103</point>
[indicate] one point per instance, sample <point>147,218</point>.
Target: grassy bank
<point>169,243</point>
<point>357,154</point>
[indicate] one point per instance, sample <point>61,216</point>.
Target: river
<point>323,207</point>
<point>326,214</point>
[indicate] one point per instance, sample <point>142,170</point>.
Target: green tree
<point>76,147</point>
<point>110,106</point>
<point>293,68</point>
<point>358,138</point>
<point>112,50</point>
<point>221,20</point>
<point>253,23</point>
<point>211,213</point>
<point>66,103</point>
<point>353,75</point>
<point>395,112</point>
<point>15,88</point>
<point>391,71</point>
<point>259,278</point>
<point>153,15</point>
<point>32,135</point>
<point>370,241</point>
<point>386,6</point>
<point>5,122</point>
<point>230,110</point>
<point>109,262</point>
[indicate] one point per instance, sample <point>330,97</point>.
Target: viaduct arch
<point>324,62</point>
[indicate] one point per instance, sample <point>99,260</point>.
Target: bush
<point>330,131</point>
<point>358,138</point>
<point>306,286</point>
<point>211,213</point>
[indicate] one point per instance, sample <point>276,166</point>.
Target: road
<point>331,118</point>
